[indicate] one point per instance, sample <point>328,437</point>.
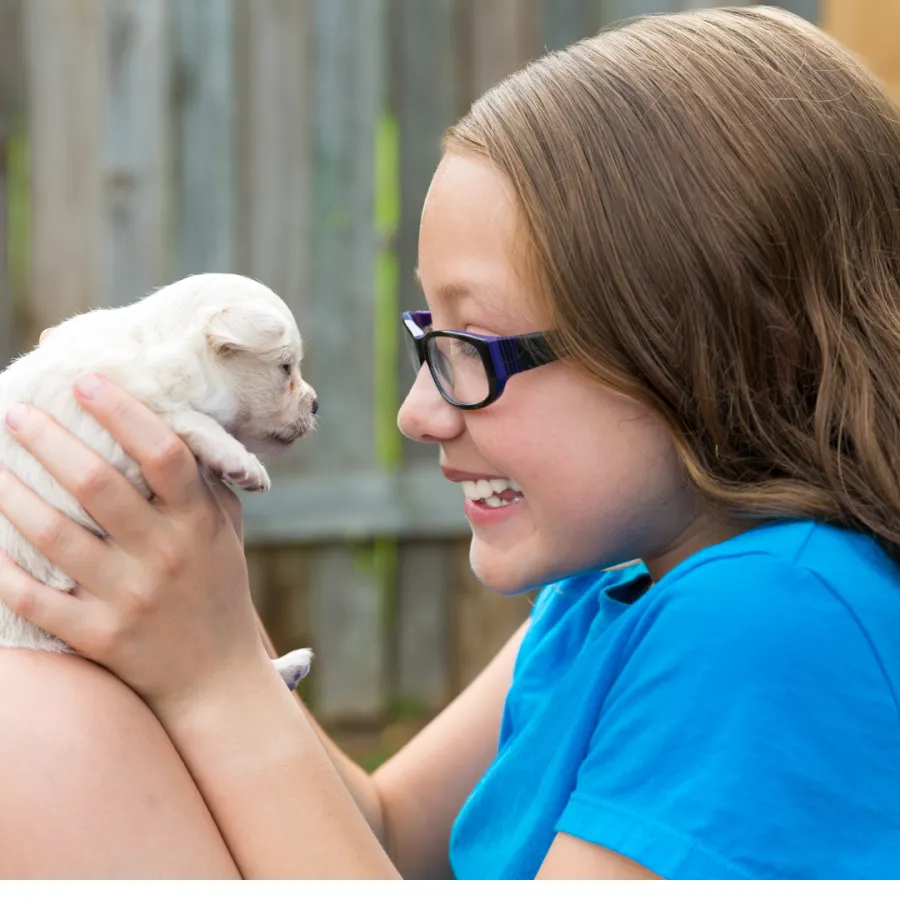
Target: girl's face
<point>596,479</point>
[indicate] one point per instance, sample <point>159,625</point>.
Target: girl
<point>664,325</point>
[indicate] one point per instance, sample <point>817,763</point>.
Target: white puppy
<point>216,356</point>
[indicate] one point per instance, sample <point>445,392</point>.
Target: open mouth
<point>492,493</point>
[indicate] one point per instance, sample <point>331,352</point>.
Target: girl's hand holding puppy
<point>177,557</point>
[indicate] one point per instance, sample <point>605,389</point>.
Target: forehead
<point>469,246</point>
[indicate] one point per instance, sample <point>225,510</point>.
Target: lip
<point>458,475</point>
<point>487,515</point>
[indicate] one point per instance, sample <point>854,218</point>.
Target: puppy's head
<point>255,347</point>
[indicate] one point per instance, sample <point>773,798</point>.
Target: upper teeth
<point>484,488</point>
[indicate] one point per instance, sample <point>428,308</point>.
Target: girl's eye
<point>464,348</point>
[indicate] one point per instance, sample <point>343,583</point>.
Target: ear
<point>232,329</point>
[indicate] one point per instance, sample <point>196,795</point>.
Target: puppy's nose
<point>315,406</point>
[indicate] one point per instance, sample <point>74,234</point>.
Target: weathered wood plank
<point>273,83</point>
<point>503,36</point>
<point>809,9</point>
<point>424,624</point>
<point>426,75</point>
<point>354,505</point>
<point>65,53</point>
<point>7,314</point>
<point>565,21</point>
<point>348,621</point>
<point>619,10</point>
<point>272,134</point>
<point>137,144</point>
<point>11,97</point>
<point>204,112</point>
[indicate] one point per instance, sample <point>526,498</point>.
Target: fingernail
<point>89,386</point>
<point>16,415</point>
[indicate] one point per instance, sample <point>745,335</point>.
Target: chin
<point>267,445</point>
<point>507,573</point>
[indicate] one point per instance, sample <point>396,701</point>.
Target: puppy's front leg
<point>218,451</point>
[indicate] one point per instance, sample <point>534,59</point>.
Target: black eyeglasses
<point>471,370</point>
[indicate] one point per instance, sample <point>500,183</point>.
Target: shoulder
<point>781,594</point>
<point>92,786</point>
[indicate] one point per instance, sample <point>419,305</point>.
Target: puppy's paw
<point>293,667</point>
<point>247,474</point>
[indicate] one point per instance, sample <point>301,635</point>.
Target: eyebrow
<point>454,292</point>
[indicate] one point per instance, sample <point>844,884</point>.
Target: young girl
<point>663,276</point>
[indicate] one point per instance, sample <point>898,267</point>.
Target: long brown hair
<point>711,208</point>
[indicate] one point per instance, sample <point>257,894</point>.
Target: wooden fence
<point>293,141</point>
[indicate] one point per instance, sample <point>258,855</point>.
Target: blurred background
<point>293,141</point>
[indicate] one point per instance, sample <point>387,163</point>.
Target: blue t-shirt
<point>737,719</point>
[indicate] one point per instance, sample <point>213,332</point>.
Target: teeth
<point>487,489</point>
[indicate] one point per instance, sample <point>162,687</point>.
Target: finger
<point>79,553</point>
<point>107,495</point>
<point>167,464</point>
<point>44,335</point>
<point>55,611</point>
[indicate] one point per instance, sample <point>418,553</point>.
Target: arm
<point>411,802</point>
<point>91,785</point>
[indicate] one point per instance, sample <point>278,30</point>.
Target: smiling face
<point>560,474</point>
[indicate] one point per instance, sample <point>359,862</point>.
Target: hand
<point>164,602</point>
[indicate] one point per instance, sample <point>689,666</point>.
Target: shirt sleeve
<point>750,733</point>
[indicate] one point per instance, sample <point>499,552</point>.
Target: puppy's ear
<point>239,328</point>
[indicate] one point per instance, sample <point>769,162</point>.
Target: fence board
<point>504,36</point>
<point>562,22</point>
<point>274,140</point>
<point>7,317</point>
<point>347,592</point>
<point>809,9</point>
<point>204,104</point>
<point>66,77</point>
<point>272,130</point>
<point>620,10</point>
<point>10,114</point>
<point>137,146</point>
<point>427,76</point>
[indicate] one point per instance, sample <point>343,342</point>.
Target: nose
<point>425,415</point>
<point>315,405</point>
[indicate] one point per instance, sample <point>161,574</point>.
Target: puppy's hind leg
<point>218,451</point>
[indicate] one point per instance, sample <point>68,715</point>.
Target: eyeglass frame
<point>502,357</point>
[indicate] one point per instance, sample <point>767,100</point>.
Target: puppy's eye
<point>287,368</point>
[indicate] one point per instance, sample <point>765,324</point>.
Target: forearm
<point>278,800</point>
<point>357,781</point>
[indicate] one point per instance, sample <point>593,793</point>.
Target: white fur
<point>208,354</point>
